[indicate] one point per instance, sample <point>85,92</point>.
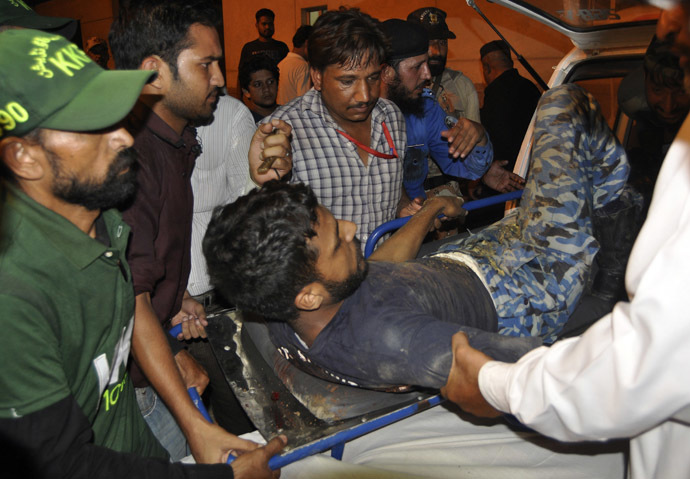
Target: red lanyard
<point>393,153</point>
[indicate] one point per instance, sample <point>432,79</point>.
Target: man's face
<point>340,265</point>
<point>263,88</point>
<point>411,76</point>
<point>349,94</point>
<point>438,54</point>
<point>265,27</point>
<point>94,169</point>
<point>670,105</point>
<point>193,95</point>
<point>675,22</point>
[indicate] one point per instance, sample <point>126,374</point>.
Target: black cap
<point>495,46</point>
<point>18,14</point>
<point>434,20</point>
<point>407,39</point>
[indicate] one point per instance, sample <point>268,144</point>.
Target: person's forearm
<point>151,351</point>
<point>404,244</point>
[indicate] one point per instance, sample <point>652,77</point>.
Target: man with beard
<point>68,407</point>
<point>277,253</point>
<point>453,90</point>
<point>178,40</point>
<point>259,78</point>
<point>404,76</point>
<point>634,358</point>
<point>265,44</point>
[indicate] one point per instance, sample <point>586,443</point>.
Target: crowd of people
<point>143,197</point>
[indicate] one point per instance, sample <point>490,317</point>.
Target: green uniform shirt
<point>66,316</point>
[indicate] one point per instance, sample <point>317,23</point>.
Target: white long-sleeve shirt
<point>219,177</point>
<point>629,374</point>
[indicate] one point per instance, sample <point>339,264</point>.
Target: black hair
<point>255,64</point>
<point>258,252</point>
<point>301,36</point>
<point>347,38</point>
<point>661,64</point>
<point>157,27</point>
<point>265,12</point>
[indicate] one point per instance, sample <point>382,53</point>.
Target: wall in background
<point>541,46</point>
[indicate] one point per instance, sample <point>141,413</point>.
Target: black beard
<point>203,121</point>
<point>115,190</point>
<point>342,290</point>
<point>399,95</point>
<point>437,68</point>
<point>194,118</point>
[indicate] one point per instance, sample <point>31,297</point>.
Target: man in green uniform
<point>67,406</point>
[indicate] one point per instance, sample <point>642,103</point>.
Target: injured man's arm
<point>277,253</point>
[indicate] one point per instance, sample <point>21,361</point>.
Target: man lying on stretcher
<point>388,321</point>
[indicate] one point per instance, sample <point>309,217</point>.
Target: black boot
<point>615,227</point>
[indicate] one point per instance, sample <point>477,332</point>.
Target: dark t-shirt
<point>509,103</point>
<point>273,49</point>
<point>396,328</point>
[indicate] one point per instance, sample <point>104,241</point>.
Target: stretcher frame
<point>316,415</point>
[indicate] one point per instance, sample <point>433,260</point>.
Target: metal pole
<point>519,57</point>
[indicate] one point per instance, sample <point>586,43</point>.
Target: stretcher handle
<point>397,223</point>
<point>194,394</point>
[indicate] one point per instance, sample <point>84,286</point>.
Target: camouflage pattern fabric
<point>536,261</point>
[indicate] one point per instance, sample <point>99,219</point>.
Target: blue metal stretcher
<point>315,415</point>
<point>397,223</point>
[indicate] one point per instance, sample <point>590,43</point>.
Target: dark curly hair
<point>346,38</point>
<point>257,249</point>
<point>157,27</point>
<point>254,64</point>
<point>264,12</point>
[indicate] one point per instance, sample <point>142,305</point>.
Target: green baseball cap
<point>19,14</point>
<point>48,82</point>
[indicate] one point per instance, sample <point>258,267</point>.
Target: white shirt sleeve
<point>630,371</point>
<point>220,176</point>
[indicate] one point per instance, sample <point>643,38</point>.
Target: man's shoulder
<point>430,102</point>
<point>229,103</point>
<point>32,258</point>
<point>251,44</point>
<point>389,109</point>
<point>528,85</point>
<point>308,107</point>
<point>455,76</point>
<point>146,127</point>
<point>280,44</point>
<point>228,111</point>
<point>293,60</point>
<point>513,87</point>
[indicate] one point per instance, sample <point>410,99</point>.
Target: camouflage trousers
<point>536,261</point>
